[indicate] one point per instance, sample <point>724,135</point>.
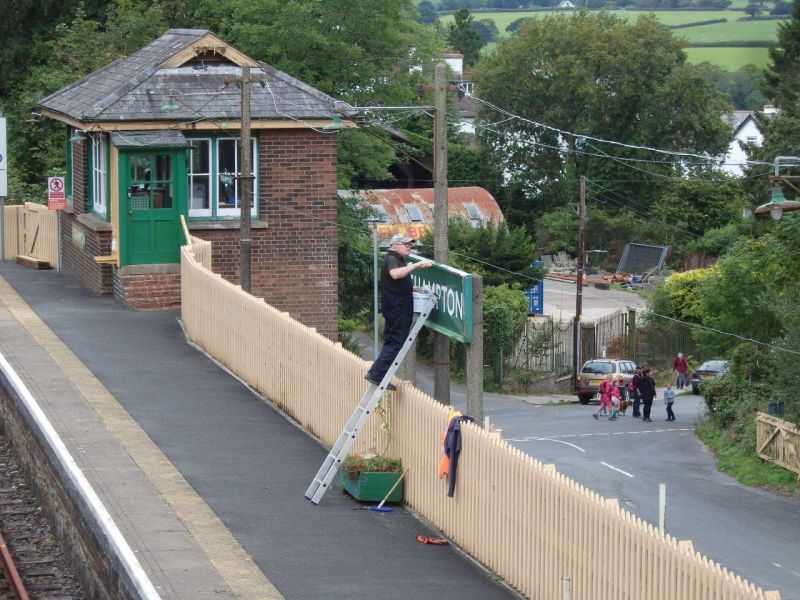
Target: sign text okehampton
<point>453,313</point>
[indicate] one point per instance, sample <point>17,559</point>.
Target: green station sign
<point>453,313</point>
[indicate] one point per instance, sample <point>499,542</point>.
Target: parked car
<point>594,371</point>
<point>711,369</point>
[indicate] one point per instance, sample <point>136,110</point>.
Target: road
<point>750,531</point>
<point>559,301</point>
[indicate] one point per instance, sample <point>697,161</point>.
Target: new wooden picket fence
<point>520,518</point>
<point>778,442</point>
<point>31,230</point>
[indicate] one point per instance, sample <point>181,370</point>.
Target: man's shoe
<point>648,420</point>
<point>389,387</point>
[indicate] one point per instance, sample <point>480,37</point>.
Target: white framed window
<point>227,166</point>
<point>751,139</point>
<point>414,213</point>
<point>198,170</point>
<point>474,215</point>
<point>99,171</point>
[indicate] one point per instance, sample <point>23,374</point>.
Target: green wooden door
<point>153,195</point>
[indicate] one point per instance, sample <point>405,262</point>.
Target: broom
<point>381,507</point>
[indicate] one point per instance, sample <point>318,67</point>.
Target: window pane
<point>414,213</point>
<point>199,174</point>
<point>226,162</point>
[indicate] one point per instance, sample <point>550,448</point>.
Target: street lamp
<point>778,203</point>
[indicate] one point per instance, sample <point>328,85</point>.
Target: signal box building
<point>154,137</point>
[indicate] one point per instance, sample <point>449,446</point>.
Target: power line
<point>563,132</point>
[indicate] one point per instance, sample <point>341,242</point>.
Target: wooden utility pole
<point>576,334</point>
<point>475,354</point>
<point>441,343</point>
<point>245,179</point>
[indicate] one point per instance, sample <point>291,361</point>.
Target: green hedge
<point>735,44</point>
<point>698,23</point>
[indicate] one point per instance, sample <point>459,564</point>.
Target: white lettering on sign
<point>450,301</point>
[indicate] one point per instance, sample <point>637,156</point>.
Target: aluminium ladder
<point>362,412</point>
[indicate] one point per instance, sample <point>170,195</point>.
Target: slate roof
<point>136,89</point>
<point>737,118</point>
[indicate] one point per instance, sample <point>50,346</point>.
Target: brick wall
<point>79,246</point>
<point>150,291</point>
<point>295,265</point>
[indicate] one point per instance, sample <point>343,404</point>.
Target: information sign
<point>453,313</point>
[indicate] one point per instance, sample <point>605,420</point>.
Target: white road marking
<point>616,469</point>
<point>572,435</point>
<point>787,570</point>
<point>545,439</point>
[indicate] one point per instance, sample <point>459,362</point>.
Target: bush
<point>698,23</point>
<point>355,464</point>
<point>736,44</point>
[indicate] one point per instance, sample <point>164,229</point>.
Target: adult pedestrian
<point>633,392</point>
<point>397,304</point>
<point>680,368</point>
<point>647,389</point>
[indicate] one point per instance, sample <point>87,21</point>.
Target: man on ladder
<point>397,304</point>
<point>398,310</point>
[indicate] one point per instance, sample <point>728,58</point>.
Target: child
<point>615,401</point>
<point>607,389</point>
<point>669,398</point>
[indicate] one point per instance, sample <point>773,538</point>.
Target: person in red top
<point>681,368</point>
<point>608,391</point>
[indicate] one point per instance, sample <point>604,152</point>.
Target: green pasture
<point>729,58</point>
<point>732,30</point>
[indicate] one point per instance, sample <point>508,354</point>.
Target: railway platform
<point>204,479</point>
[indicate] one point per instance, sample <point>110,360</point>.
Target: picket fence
<point>520,518</point>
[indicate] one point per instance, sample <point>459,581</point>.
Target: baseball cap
<point>401,238</point>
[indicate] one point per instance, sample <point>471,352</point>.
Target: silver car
<point>594,372</point>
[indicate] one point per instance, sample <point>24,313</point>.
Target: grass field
<point>729,58</point>
<point>732,30</point>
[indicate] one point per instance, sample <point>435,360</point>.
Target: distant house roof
<point>195,70</point>
<point>738,118</point>
<point>410,211</point>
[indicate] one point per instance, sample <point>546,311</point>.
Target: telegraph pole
<point>245,179</point>
<point>576,334</point>
<point>441,343</point>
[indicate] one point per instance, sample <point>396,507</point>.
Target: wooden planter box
<point>372,486</point>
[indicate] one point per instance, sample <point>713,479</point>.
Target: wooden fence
<point>520,518</point>
<point>31,230</point>
<point>778,441</point>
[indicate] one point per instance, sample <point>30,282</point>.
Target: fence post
<point>632,334</point>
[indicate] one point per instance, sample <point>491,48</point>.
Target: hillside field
<point>732,30</point>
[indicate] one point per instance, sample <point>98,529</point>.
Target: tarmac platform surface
<point>205,480</point>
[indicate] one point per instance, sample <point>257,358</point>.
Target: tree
<point>426,13</point>
<point>742,87</point>
<point>782,75</point>
<point>598,75</point>
<point>753,9</point>
<point>464,37</point>
<point>366,53</point>
<point>487,30</point>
